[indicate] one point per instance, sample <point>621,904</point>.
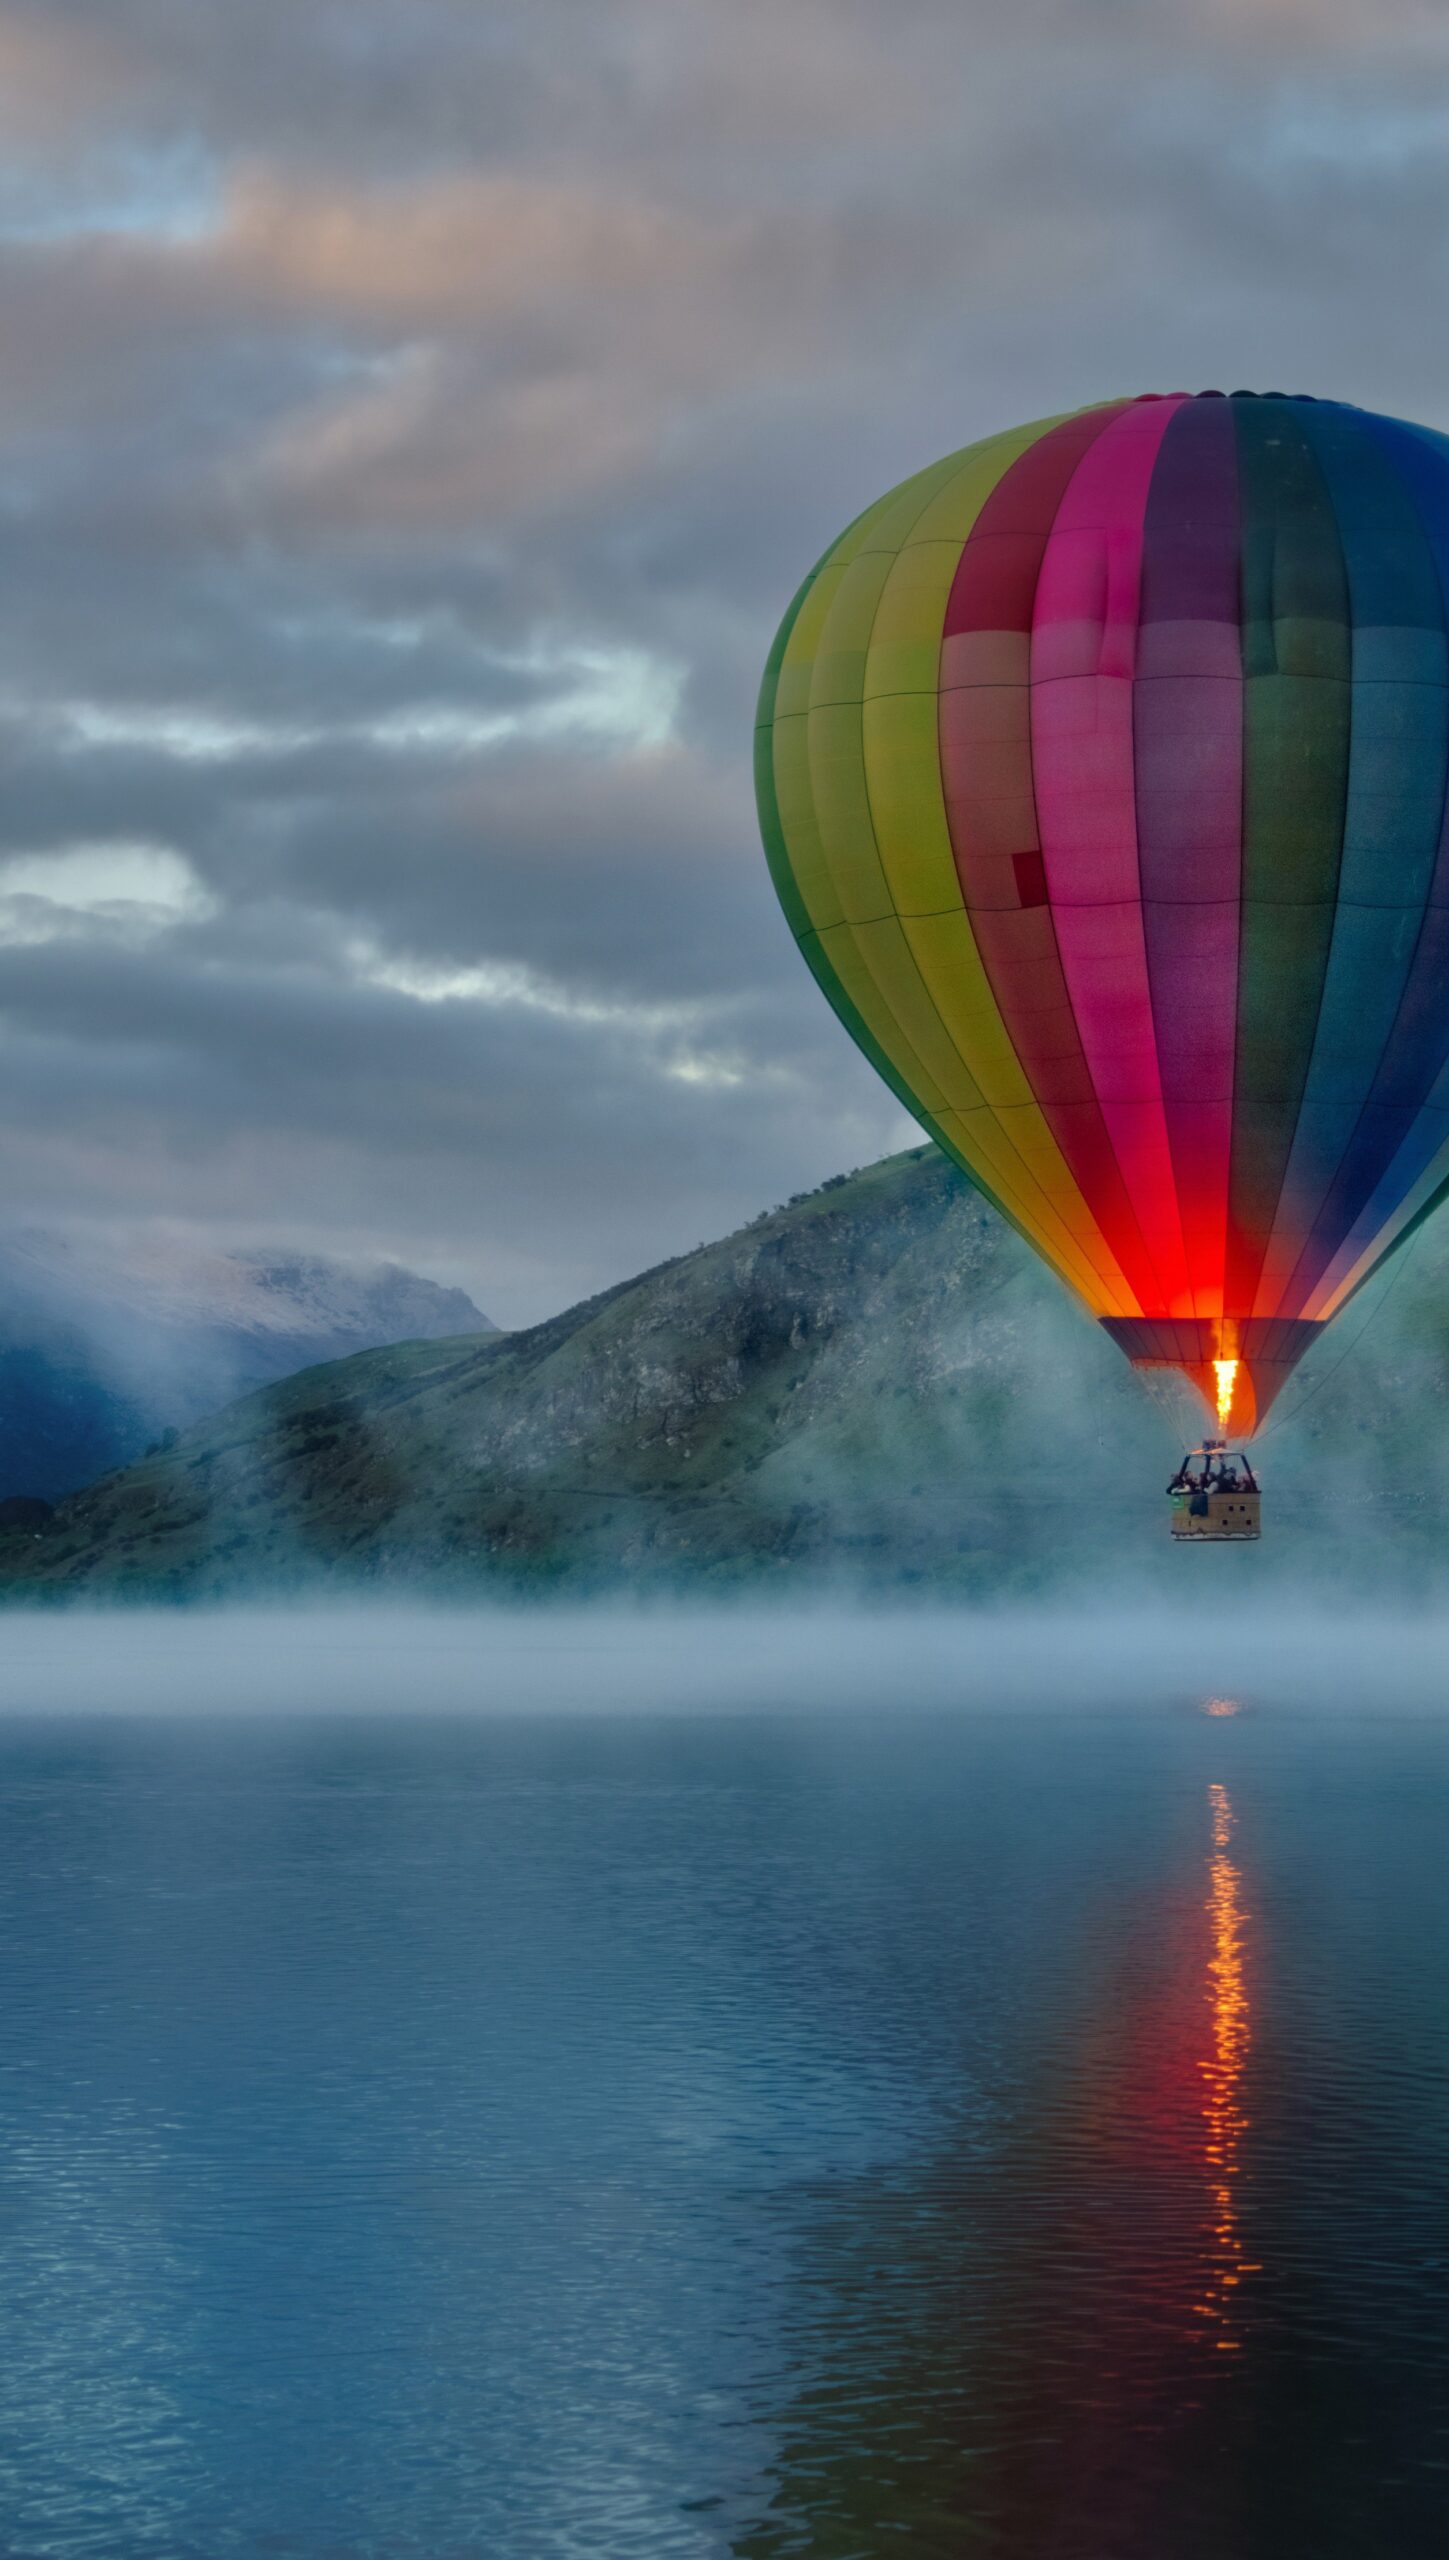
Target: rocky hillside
<point>109,1340</point>
<point>877,1381</point>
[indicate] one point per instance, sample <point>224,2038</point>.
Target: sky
<point>415,416</point>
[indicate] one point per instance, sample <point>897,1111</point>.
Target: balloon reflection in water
<point>1222,2074</point>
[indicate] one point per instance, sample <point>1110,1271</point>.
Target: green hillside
<point>877,1381</point>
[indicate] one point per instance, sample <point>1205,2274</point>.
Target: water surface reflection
<point>1021,2133</point>
<point>1049,2316</point>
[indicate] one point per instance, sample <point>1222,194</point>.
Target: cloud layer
<point>413,419</point>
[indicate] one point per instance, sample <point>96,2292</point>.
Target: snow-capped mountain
<point>109,1340</point>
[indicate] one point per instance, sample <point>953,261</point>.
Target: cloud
<point>60,73</point>
<point>413,419</point>
<point>321,1096</point>
<point>115,889</point>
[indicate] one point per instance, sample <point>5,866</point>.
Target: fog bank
<point>830,1660</point>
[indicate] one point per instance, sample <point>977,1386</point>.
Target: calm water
<point>682,2135</point>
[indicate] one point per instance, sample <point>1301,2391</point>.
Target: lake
<point>448,2109</point>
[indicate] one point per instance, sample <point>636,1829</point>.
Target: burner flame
<point>1227,1375</point>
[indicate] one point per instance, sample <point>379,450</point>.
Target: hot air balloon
<point>1102,775</point>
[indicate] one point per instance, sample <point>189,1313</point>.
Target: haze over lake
<point>703,2086</point>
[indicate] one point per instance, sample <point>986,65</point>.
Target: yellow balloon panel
<point>857,781</point>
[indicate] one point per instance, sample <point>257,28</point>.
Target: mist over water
<point>836,1659</point>
<point>723,2085</point>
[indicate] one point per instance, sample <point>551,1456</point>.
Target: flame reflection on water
<point>1224,2121</point>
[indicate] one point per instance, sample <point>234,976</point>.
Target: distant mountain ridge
<point>107,1339</point>
<point>878,1382</point>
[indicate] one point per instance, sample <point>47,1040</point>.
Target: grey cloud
<point>480,1129</point>
<point>632,877</point>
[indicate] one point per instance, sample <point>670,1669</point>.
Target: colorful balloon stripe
<point>1083,655</point>
<point>987,770</point>
<point>1103,774</point>
<point>1188,736</point>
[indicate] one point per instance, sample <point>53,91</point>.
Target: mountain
<point>878,1381</point>
<point>106,1342</point>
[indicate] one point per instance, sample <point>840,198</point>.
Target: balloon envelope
<point>1102,774</point>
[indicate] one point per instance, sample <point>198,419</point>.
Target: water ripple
<point>429,2140</point>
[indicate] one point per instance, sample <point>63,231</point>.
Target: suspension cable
<point>1347,1353</point>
